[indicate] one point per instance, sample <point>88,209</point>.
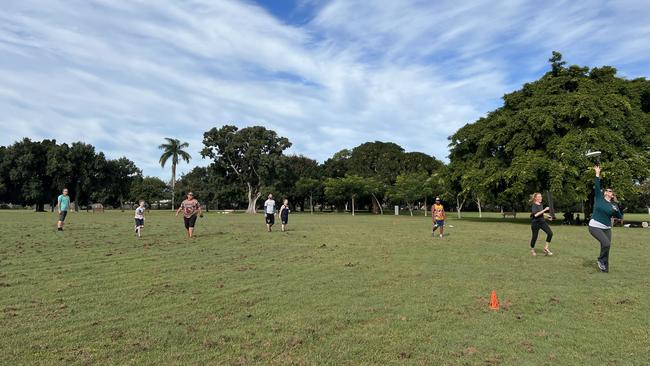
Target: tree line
<point>536,141</point>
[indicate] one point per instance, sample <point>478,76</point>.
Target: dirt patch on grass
<point>528,346</point>
<point>294,342</point>
<point>404,355</point>
<point>465,352</point>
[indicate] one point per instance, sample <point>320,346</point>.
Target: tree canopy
<point>538,139</point>
<point>252,154</point>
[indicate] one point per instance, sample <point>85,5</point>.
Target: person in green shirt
<point>600,226</point>
<point>62,204</point>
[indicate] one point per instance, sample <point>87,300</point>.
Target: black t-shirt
<point>534,210</point>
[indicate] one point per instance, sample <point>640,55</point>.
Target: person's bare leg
<point>547,250</point>
<point>442,231</point>
<point>283,226</point>
<point>190,232</point>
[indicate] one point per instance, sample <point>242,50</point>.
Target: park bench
<point>512,214</point>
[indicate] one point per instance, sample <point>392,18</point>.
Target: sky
<point>328,75</point>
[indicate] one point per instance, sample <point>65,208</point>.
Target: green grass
<point>335,289</point>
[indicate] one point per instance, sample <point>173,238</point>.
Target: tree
<point>350,186</point>
<point>26,172</point>
<point>644,190</point>
<point>309,187</point>
<point>409,188</point>
<point>338,165</point>
<point>290,169</point>
<point>83,160</point>
<point>537,140</point>
<point>417,162</point>
<point>382,161</point>
<point>251,153</point>
<point>173,149</point>
<point>114,180</point>
<point>149,189</point>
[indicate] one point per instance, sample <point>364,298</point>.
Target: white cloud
<point>123,75</point>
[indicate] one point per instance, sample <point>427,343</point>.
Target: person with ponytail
<point>606,207</point>
<point>538,221</point>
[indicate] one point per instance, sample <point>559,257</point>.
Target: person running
<point>62,204</point>
<point>139,218</point>
<point>538,221</point>
<point>284,214</point>
<point>600,226</point>
<point>438,216</point>
<point>191,208</point>
<point>269,210</point>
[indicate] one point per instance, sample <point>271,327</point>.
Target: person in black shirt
<point>284,214</point>
<point>538,221</point>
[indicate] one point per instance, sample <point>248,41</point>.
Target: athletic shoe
<point>601,266</point>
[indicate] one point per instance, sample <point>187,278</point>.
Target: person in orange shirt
<point>438,216</point>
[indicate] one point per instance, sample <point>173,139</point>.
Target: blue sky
<point>326,74</point>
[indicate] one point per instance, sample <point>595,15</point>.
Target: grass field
<point>336,290</point>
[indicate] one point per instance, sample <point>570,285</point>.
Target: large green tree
<point>173,148</point>
<point>349,187</point>
<point>85,164</point>
<point>409,188</point>
<point>252,154</point>
<point>538,139</point>
<point>309,187</point>
<point>27,176</point>
<point>149,189</point>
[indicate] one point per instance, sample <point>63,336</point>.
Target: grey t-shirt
<point>534,210</point>
<point>269,206</point>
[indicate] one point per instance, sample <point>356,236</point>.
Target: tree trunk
<point>410,205</point>
<point>121,204</point>
<point>311,204</point>
<point>425,206</point>
<point>478,202</point>
<point>39,207</point>
<point>253,196</point>
<point>381,209</point>
<point>76,199</point>
<point>173,184</point>
<point>352,205</point>
<point>459,205</point>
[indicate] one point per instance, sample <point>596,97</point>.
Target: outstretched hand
<point>597,170</point>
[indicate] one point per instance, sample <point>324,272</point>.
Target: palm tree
<point>173,149</point>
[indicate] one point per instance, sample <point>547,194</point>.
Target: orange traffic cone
<point>494,302</point>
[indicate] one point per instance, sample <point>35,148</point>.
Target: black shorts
<point>284,219</point>
<point>139,222</point>
<point>270,219</point>
<point>190,221</point>
<point>62,215</point>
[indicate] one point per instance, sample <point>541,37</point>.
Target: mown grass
<point>335,289</point>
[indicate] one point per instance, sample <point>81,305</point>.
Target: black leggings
<point>535,226</point>
<point>604,236</point>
